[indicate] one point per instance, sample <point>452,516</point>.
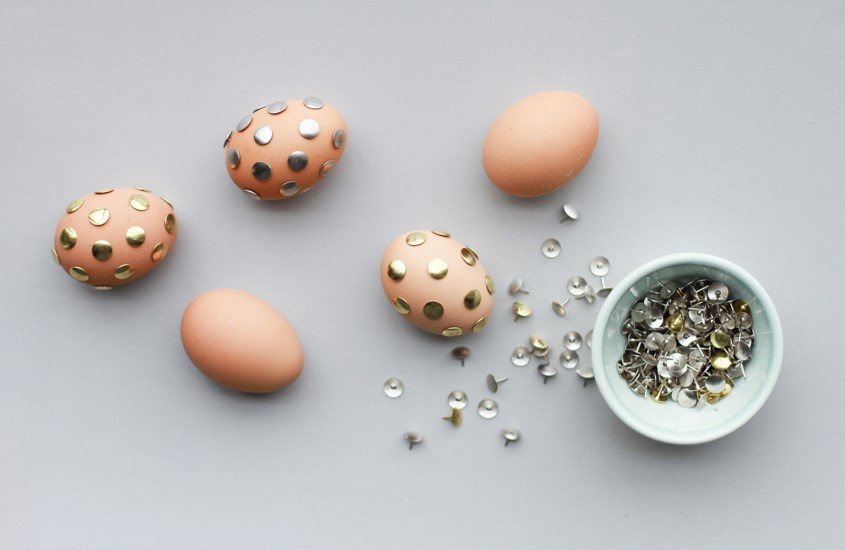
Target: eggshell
<point>540,143</point>
<point>92,239</point>
<point>257,154</point>
<point>465,292</point>
<point>241,342</point>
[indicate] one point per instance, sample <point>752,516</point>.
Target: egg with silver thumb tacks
<point>437,283</point>
<point>114,236</point>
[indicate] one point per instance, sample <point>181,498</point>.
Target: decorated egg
<point>241,342</point>
<point>284,149</point>
<point>540,143</point>
<point>114,236</point>
<point>437,283</point>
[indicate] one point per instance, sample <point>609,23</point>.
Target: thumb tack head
<point>510,435</point>
<point>586,373</point>
<point>488,408</point>
<point>588,338</point>
<point>572,340</point>
<point>560,307</point>
<point>393,388</point>
<point>493,383</point>
<point>551,248</point>
<point>599,266</point>
<point>461,353</point>
<point>577,286</point>
<point>457,400</point>
<point>568,359</point>
<point>516,287</point>
<point>547,371</point>
<point>413,438</point>
<point>521,356</point>
<point>568,212</point>
<point>520,310</point>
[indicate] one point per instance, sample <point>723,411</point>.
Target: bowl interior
<point>668,421</point>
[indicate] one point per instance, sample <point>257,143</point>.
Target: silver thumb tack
<point>547,371</point>
<point>568,212</point>
<point>510,435</point>
<point>493,382</point>
<point>560,307</point>
<point>516,287</point>
<point>413,438</point>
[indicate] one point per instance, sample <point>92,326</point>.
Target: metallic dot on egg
<point>261,171</point>
<point>401,305</point>
<point>445,234</point>
<point>252,194</point>
<point>469,257</point>
<point>480,325</point>
<point>233,158</point>
<point>101,250</point>
<point>244,123</point>
<point>123,271</point>
<point>451,332</point>
<point>139,202</point>
<point>102,287</point>
<point>167,202</point>
<point>135,236</point>
<point>258,109</point>
<point>78,273</point>
<point>297,161</point>
<point>144,189</point>
<point>313,102</point>
<point>105,191</point>
<point>68,238</point>
<point>277,107</point>
<point>472,299</point>
<point>437,268</point>
<point>56,257</point>
<point>289,188</point>
<point>488,282</point>
<point>327,167</point>
<point>309,128</point>
<point>415,238</point>
<point>170,224</point>
<point>159,252</point>
<point>74,205</point>
<point>396,270</point>
<point>227,140</point>
<point>433,310</point>
<point>263,135</point>
<point>98,216</point>
<point>339,138</point>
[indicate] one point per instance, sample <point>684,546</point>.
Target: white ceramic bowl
<point>667,421</point>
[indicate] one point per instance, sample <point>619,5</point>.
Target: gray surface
<point>721,132</point>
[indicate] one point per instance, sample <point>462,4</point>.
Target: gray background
<point>721,132</point>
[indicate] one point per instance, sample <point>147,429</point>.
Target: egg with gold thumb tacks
<point>114,236</point>
<point>282,150</point>
<point>437,283</point>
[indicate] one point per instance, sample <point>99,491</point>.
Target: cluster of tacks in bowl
<point>538,346</point>
<point>686,342</point>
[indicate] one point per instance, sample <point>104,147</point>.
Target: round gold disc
<point>479,325</point>
<point>437,268</point>
<point>469,256</point>
<point>159,252</point>
<point>488,282</point>
<point>415,238</point>
<point>68,238</point>
<point>98,216</point>
<point>451,332</point>
<point>78,273</point>
<point>170,224</point>
<point>396,270</point>
<point>472,299</point>
<point>401,305</point>
<point>101,250</point>
<point>123,271</point>
<point>135,236</point>
<point>139,202</point>
<point>441,233</point>
<point>74,205</point>
<point>433,310</point>
<point>56,257</point>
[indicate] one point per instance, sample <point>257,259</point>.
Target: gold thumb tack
<point>520,310</point>
<point>560,307</point>
<point>456,418</point>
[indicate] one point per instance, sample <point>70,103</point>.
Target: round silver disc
<point>313,102</point>
<point>742,351</point>
<point>309,128</point>
<point>233,158</point>
<point>393,388</point>
<point>547,371</point>
<point>297,161</point>
<point>577,286</point>
<point>327,167</point>
<point>568,212</point>
<point>289,188</point>
<point>520,356</point>
<point>559,308</point>
<point>687,398</point>
<point>515,286</point>
<point>717,292</point>
<point>457,399</point>
<point>568,359</point>
<point>551,248</point>
<point>488,408</point>
<point>585,372</point>
<point>510,435</point>
<point>228,139</point>
<point>715,383</point>
<point>263,135</point>
<point>244,123</point>
<point>339,138</point>
<point>277,107</point>
<point>252,194</point>
<point>588,338</point>
<point>599,266</point>
<point>261,171</point>
<point>572,340</point>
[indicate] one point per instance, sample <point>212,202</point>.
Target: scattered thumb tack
<point>577,286</point>
<point>488,408</point>
<point>588,339</point>
<point>516,287</point>
<point>461,353</point>
<point>568,359</point>
<point>456,418</point>
<point>585,372</point>
<point>510,435</point>
<point>521,356</point>
<point>493,382</point>
<point>520,310</point>
<point>572,340</point>
<point>568,212</point>
<point>457,399</point>
<point>393,388</point>
<point>600,266</point>
<point>551,248</point>
<point>560,307</point>
<point>413,438</point>
<point>547,371</point>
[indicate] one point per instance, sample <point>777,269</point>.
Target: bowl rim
<point>740,418</point>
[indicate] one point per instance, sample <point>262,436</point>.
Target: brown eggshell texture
<point>437,283</point>
<point>284,149</point>
<point>114,236</point>
<point>241,342</point>
<point>540,143</point>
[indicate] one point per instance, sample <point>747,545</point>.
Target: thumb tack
<point>586,373</point>
<point>457,400</point>
<point>568,359</point>
<point>510,435</point>
<point>520,310</point>
<point>577,286</point>
<point>547,371</point>
<point>588,338</point>
<point>560,307</point>
<point>517,287</point>
<point>413,438</point>
<point>456,418</point>
<point>393,388</point>
<point>493,382</point>
<point>488,408</point>
<point>568,212</point>
<point>521,356</point>
<point>551,248</point>
<point>572,340</point>
<point>461,353</point>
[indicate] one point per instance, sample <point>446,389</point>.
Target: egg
<point>241,342</point>
<point>540,143</point>
<point>114,236</point>
<point>437,283</point>
<point>282,150</point>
